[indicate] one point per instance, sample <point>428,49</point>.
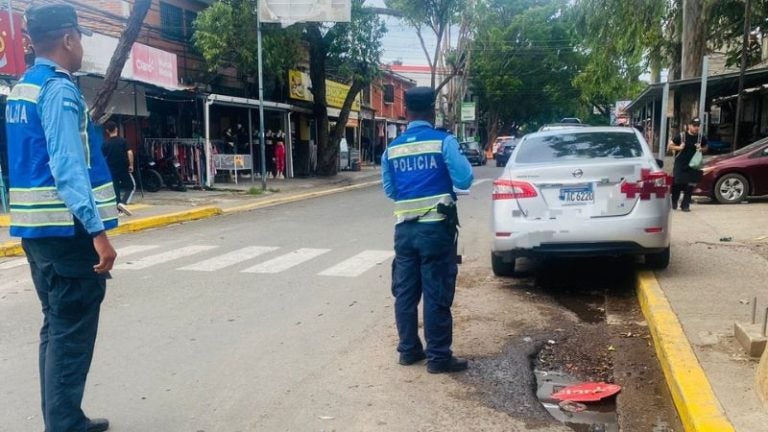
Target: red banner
<point>12,45</point>
<point>154,66</point>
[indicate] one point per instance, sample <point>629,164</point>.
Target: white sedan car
<point>593,191</point>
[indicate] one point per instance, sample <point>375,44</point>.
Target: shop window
<point>389,93</point>
<point>189,24</point>
<point>171,21</point>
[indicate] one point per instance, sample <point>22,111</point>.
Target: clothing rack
<point>189,153</point>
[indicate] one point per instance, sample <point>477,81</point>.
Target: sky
<point>401,42</point>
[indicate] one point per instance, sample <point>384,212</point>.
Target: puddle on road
<point>588,307</point>
<point>598,417</point>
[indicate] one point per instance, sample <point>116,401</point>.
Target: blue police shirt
<point>59,109</point>
<point>459,170</point>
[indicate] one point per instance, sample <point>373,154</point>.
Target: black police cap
<point>420,99</point>
<point>696,121</point>
<point>47,18</point>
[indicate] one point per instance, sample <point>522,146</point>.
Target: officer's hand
<point>107,254</point>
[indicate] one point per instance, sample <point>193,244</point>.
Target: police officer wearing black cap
<point>62,203</point>
<point>420,170</point>
<point>685,176</point>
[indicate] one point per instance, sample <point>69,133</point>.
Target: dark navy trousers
<point>425,264</point>
<point>70,294</point>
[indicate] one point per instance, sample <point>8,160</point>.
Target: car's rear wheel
<point>731,188</point>
<point>502,267</point>
<point>658,261</point>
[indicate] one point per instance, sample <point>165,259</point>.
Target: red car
<point>731,178</point>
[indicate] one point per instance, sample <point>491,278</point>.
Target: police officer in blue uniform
<point>62,202</point>
<point>419,170</point>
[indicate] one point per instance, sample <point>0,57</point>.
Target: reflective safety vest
<point>36,209</point>
<point>420,175</point>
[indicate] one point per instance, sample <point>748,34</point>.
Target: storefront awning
<point>246,102</point>
<point>717,86</point>
<point>123,100</point>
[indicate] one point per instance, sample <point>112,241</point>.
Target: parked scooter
<point>166,173</point>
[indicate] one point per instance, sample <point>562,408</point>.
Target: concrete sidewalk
<point>166,207</point>
<point>719,264</point>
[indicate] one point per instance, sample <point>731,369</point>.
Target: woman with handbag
<point>690,146</point>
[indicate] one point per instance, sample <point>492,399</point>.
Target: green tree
<point>350,52</point>
<point>523,64</point>
<point>226,35</point>
<point>621,39</point>
<point>437,16</point>
<point>726,29</point>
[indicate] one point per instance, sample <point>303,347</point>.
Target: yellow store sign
<point>335,93</point>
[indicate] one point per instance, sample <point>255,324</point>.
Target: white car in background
<point>591,191</point>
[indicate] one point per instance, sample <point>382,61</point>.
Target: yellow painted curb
<point>11,249</point>
<point>294,198</point>
<point>5,220</point>
<point>166,219</point>
<point>696,403</point>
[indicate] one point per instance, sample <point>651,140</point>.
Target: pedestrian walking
<point>420,169</point>
<point>280,159</point>
<point>120,161</point>
<point>62,201</point>
<point>686,176</point>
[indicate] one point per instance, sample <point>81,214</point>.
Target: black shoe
<point>97,425</point>
<point>455,364</point>
<point>686,209</point>
<point>674,206</point>
<point>409,359</point>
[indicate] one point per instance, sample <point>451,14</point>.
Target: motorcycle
<point>166,173</point>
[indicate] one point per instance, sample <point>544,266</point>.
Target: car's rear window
<point>575,146</point>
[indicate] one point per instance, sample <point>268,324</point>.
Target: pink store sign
<point>154,66</point>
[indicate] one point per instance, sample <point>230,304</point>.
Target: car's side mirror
<point>765,151</point>
<point>660,162</point>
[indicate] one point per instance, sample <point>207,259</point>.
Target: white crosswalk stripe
<point>134,249</point>
<point>163,257</point>
<point>16,262</point>
<point>229,259</point>
<point>358,264</point>
<point>284,262</point>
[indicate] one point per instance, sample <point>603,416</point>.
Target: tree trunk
<point>116,64</point>
<point>330,167</point>
<point>693,38</point>
<point>318,51</point>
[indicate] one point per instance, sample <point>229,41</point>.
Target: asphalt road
<point>281,319</point>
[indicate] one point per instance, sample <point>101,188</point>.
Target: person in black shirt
<point>120,160</point>
<point>685,177</point>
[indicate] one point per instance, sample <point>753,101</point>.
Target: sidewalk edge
<point>166,219</point>
<point>696,403</point>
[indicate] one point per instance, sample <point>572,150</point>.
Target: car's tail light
<point>651,183</point>
<point>512,189</point>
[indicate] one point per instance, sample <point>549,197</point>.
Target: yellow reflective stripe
<point>25,92</point>
<point>40,217</point>
<point>429,198</point>
<point>35,196</point>
<point>108,212</point>
<point>414,149</point>
<point>421,207</point>
<point>32,189</point>
<point>105,192</point>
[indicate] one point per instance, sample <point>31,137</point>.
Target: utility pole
<point>739,97</point>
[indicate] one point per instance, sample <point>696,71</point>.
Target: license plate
<point>577,195</point>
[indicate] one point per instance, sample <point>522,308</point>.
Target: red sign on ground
<point>586,392</point>
<point>12,45</point>
<point>154,66</point>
